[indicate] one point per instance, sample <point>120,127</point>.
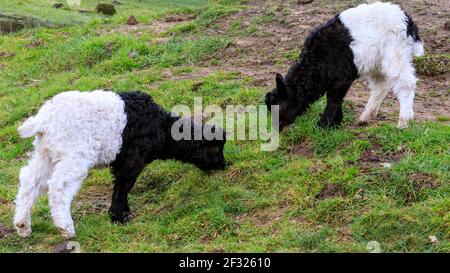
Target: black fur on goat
<point>325,66</point>
<point>147,137</point>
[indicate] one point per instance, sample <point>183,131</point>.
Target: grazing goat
<point>375,41</point>
<point>76,131</point>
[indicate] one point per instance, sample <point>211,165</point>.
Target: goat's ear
<point>281,86</point>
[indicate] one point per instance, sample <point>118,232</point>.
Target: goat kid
<point>76,131</point>
<point>376,42</point>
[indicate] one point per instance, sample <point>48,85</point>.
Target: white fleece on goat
<point>74,132</point>
<point>383,54</point>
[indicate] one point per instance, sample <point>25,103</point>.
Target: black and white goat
<point>375,41</point>
<point>76,131</point>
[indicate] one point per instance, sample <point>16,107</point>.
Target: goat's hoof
<point>23,230</point>
<point>121,218</point>
<point>67,233</point>
<point>362,123</point>
<point>402,124</point>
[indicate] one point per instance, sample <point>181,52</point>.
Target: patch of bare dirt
<point>330,190</point>
<point>132,26</point>
<point>199,72</point>
<point>304,149</point>
<point>207,238</point>
<point>422,181</point>
<point>345,235</point>
<point>137,30</point>
<point>262,53</point>
<point>264,217</point>
<point>94,200</point>
<point>5,231</point>
<point>7,54</point>
<point>171,21</point>
<point>179,17</point>
<point>375,157</point>
<point>447,25</point>
<point>3,201</point>
<point>162,26</point>
<point>35,43</point>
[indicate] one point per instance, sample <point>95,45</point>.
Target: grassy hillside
<point>145,10</point>
<point>322,190</point>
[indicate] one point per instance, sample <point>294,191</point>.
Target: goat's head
<point>205,153</point>
<point>209,154</point>
<point>286,99</point>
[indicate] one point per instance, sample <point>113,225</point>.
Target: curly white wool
<point>74,132</point>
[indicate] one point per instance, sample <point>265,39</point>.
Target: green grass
<point>144,10</point>
<point>264,201</point>
<point>432,65</point>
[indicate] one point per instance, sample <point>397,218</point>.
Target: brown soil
<point>35,43</point>
<point>329,191</point>
<point>375,157</point>
<point>5,231</point>
<point>264,217</point>
<point>304,149</point>
<point>6,54</point>
<point>158,27</point>
<point>423,181</point>
<point>98,200</point>
<point>179,17</point>
<point>346,236</point>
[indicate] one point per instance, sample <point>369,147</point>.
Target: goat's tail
<point>30,127</point>
<point>413,31</point>
<point>418,49</point>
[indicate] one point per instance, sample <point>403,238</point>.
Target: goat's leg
<point>62,188</point>
<point>404,89</point>
<point>378,92</point>
<point>33,178</point>
<point>119,210</point>
<point>332,115</point>
<point>400,74</point>
<point>125,173</point>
